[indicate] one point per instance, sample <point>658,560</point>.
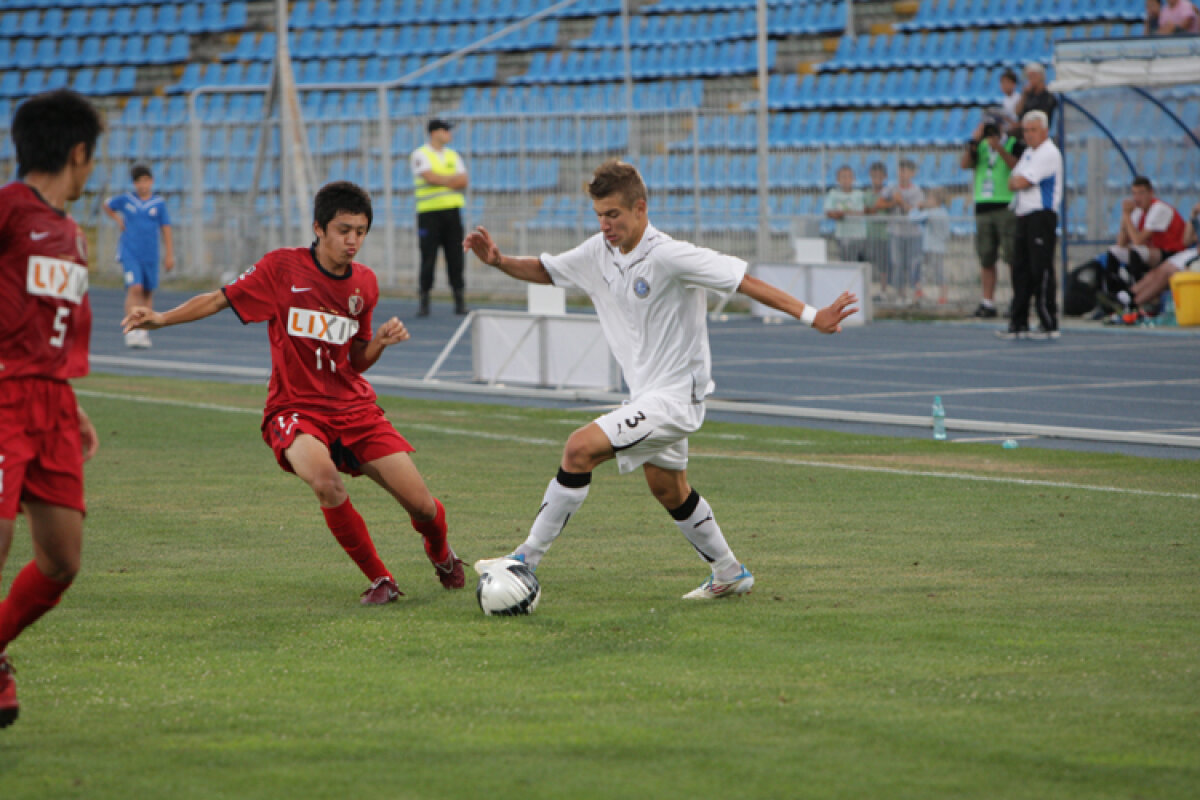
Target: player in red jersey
<point>321,416</point>
<point>45,325</point>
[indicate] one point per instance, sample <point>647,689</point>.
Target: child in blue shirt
<point>141,215</point>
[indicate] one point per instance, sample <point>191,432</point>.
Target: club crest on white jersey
<point>329,328</point>
<point>57,278</point>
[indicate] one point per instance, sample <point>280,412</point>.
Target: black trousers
<point>1033,271</point>
<point>441,229</point>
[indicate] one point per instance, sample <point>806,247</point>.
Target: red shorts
<point>353,439</point>
<point>41,452</point>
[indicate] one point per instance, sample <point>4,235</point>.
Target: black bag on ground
<point>1083,282</point>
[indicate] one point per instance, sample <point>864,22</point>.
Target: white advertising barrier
<point>554,350</point>
<point>816,284</point>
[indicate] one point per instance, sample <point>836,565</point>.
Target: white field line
<point>763,459</point>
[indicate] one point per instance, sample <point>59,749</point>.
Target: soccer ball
<point>506,588</point>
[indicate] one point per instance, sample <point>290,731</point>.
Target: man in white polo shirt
<point>649,291</point>
<point>1038,182</point>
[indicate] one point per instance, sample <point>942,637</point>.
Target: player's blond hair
<point>617,177</point>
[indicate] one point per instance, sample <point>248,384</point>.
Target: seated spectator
<point>847,205</point>
<point>898,200</point>
<point>1035,96</point>
<point>1178,16</point>
<point>1151,232</point>
<point>1147,290</point>
<point>1152,9</point>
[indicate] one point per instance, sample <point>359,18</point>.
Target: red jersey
<point>1167,224</point>
<point>45,316</point>
<point>312,318</point>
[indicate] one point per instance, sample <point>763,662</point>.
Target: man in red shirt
<point>45,326</point>
<point>1151,232</point>
<point>321,417</point>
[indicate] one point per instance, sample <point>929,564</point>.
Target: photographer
<point>992,154</point>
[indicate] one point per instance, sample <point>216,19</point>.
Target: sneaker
<point>1011,335</point>
<point>9,709</point>
<point>144,339</point>
<point>383,591</point>
<point>450,572</point>
<point>131,340</point>
<point>713,589</point>
<point>985,312</point>
<point>1043,336</point>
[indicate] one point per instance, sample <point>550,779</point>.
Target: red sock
<point>347,526</point>
<point>31,595</point>
<point>434,531</point>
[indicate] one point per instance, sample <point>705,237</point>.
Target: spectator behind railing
<point>905,236</point>
<point>1177,16</point>
<point>934,221</point>
<point>846,205</point>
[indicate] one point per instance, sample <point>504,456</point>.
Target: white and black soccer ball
<point>507,588</point>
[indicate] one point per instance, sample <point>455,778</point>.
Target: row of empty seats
<point>417,40</point>
<point>95,51</point>
<point>899,88</point>
<point>89,81</point>
<point>661,95</point>
<point>248,107</point>
<point>890,128</point>
<point>653,31</point>
<point>691,6</point>
<point>191,18</point>
<point>465,71</point>
<point>945,14</point>
<point>676,61</point>
<point>360,13</point>
<point>973,47</point>
<point>806,169</point>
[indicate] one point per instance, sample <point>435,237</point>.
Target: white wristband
<point>809,315</point>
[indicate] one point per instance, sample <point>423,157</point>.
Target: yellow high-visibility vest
<point>431,197</point>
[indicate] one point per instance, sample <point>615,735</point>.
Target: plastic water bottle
<point>939,419</point>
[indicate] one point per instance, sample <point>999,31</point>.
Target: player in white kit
<point>649,292</point>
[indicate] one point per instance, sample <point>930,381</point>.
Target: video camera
<point>993,123</point>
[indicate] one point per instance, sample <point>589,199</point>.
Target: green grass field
<point>931,620</point>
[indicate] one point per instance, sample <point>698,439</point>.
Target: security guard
<point>440,176</point>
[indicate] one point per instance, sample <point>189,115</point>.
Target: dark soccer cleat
<point>383,591</point>
<point>450,572</point>
<point>9,708</point>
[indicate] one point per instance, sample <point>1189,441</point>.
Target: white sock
<point>563,497</point>
<point>696,522</point>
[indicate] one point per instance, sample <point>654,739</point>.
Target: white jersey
<point>652,306</point>
<point>1043,168</point>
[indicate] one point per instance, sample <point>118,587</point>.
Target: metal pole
<point>627,62</point>
<point>385,157</point>
<point>197,168</point>
<point>764,197</point>
<point>850,18</point>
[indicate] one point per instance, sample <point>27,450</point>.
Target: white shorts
<point>652,429</point>
<point>1185,259</point>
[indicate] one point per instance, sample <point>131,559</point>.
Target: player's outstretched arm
<point>363,356</point>
<point>199,307</point>
<point>479,242</point>
<point>827,320</point>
